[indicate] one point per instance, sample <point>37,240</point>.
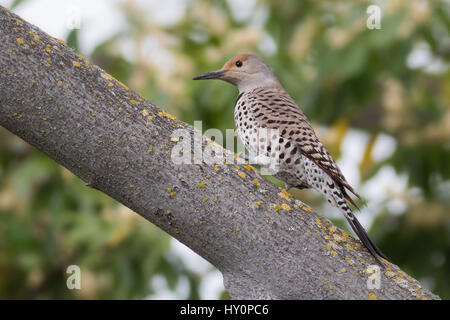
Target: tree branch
<point>266,244</point>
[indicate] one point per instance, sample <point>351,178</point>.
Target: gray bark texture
<point>266,244</point>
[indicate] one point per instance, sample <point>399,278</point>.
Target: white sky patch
<point>192,260</point>
<point>352,150</point>
<point>382,190</point>
<point>165,13</point>
<point>421,57</point>
<point>164,293</point>
<point>155,53</point>
<point>379,192</point>
<point>267,45</point>
<point>383,184</point>
<point>384,147</point>
<point>100,19</point>
<point>211,285</point>
<point>241,10</point>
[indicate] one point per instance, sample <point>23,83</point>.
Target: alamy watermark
<point>374,280</point>
<point>264,147</point>
<point>73,17</point>
<point>374,17</point>
<point>74,280</point>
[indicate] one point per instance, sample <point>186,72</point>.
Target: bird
<point>302,161</point>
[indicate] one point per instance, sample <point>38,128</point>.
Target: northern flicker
<point>303,162</point>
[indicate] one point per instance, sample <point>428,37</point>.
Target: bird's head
<point>246,71</point>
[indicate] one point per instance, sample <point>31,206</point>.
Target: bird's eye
<point>238,63</point>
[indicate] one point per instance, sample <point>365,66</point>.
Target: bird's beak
<point>211,75</point>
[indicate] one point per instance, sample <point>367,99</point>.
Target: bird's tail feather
<point>364,237</point>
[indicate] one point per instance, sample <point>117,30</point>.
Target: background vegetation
<point>386,89</point>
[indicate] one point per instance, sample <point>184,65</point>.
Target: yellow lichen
<point>110,84</point>
<point>249,168</point>
<point>255,181</point>
<point>372,296</point>
<point>76,63</point>
<point>258,203</point>
<point>202,184</point>
<point>19,40</point>
<point>285,195</point>
<point>145,112</point>
<point>123,85</point>
<point>150,149</point>
<point>342,271</point>
<point>241,174</point>
<point>349,247</point>
<point>167,115</point>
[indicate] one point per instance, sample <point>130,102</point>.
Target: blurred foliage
<point>393,82</point>
<point>49,220</point>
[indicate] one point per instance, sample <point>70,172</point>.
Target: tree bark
<point>266,244</point>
